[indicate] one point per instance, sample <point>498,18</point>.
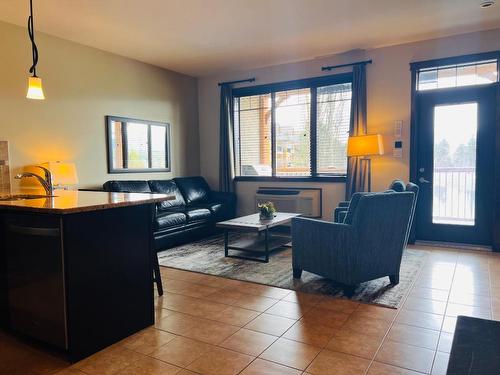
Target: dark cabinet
<point>81,281</point>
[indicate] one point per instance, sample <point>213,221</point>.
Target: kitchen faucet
<point>45,182</point>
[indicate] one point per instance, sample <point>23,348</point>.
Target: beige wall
<point>388,81</point>
<point>82,85</point>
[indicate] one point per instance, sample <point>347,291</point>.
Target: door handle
<point>422,180</point>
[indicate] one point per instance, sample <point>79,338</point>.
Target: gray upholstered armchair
<point>368,245</point>
<point>339,214</point>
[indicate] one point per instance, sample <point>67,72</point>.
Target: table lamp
<point>63,174</point>
<point>364,146</point>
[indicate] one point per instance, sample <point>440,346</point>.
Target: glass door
<point>455,165</point>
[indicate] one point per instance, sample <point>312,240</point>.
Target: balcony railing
<point>454,195</point>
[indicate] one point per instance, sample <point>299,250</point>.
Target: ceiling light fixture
<point>487,3</point>
<point>35,90</point>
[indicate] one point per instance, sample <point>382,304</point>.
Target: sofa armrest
<point>226,199</point>
<point>344,204</point>
<point>223,197</point>
<point>323,247</point>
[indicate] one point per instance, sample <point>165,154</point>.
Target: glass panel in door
<point>454,164</point>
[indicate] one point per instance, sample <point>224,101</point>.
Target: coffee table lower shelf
<point>263,243</point>
<point>261,246</point>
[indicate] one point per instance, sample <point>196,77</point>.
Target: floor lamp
<point>364,146</point>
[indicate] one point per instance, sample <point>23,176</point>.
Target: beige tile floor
<point>212,325</point>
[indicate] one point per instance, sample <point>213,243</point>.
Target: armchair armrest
<point>323,247</point>
<point>344,204</point>
<point>339,214</point>
<point>341,211</point>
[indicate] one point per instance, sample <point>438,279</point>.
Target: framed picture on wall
<point>137,146</point>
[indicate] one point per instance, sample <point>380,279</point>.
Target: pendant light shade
<point>35,90</point>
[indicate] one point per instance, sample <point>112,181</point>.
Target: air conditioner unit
<point>305,201</point>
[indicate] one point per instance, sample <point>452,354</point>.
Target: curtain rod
<point>238,81</point>
<point>343,65</point>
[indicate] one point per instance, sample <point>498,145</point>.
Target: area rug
<point>207,256</point>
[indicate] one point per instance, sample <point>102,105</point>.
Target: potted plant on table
<point>266,210</point>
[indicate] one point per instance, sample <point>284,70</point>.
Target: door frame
<point>414,120</point>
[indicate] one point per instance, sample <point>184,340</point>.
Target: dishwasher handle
<point>34,231</point>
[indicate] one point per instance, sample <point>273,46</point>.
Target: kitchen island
<point>76,268</point>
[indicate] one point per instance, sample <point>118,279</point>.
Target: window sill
<point>337,179</point>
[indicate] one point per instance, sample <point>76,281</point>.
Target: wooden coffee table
<point>260,247</point>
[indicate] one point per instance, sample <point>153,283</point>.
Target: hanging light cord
<point>31,33</point>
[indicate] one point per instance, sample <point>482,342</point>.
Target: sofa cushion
<point>170,188</point>
<point>198,214</point>
<point>194,189</point>
<point>131,186</point>
<point>219,210</point>
<point>170,219</point>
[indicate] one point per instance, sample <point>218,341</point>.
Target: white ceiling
<point>204,37</point>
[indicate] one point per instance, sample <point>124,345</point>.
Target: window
<point>333,119</point>
<point>137,145</point>
<point>467,74</point>
<point>253,124</point>
<point>293,129</point>
<point>293,132</point>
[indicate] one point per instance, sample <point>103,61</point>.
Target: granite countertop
<point>66,201</point>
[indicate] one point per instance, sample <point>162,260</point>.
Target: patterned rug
<point>207,256</point>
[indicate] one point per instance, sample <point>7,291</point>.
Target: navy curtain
<point>357,171</point>
<point>226,154</point>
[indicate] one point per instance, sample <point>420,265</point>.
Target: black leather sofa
<point>193,213</point>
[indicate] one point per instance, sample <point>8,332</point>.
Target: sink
<point>21,197</point>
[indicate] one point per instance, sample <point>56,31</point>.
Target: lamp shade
<point>35,90</point>
<point>63,174</point>
<point>365,145</point>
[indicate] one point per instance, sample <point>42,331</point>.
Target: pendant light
<point>35,90</point>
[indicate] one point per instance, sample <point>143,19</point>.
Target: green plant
<point>267,209</point>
